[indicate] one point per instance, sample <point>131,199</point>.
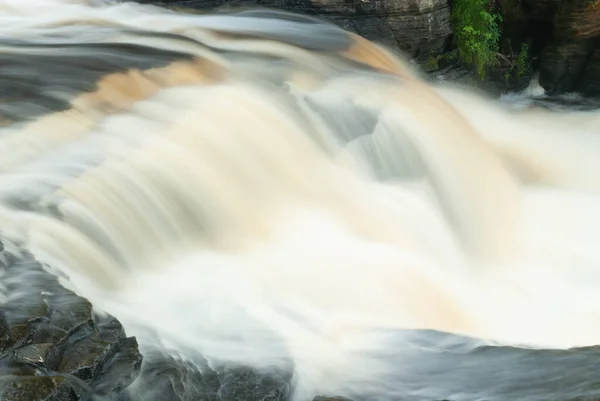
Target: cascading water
<point>263,189</point>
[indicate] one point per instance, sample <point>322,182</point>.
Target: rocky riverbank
<point>53,347</point>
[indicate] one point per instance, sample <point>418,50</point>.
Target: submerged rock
<point>246,384</point>
<point>41,388</point>
<point>84,357</point>
<point>163,378</point>
<point>120,369</point>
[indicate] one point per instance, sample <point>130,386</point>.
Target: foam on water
<point>287,193</point>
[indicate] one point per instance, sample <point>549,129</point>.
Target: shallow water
<point>536,97</point>
<point>267,191</point>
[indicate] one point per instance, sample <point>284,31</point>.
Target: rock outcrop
<point>565,59</point>
<point>590,78</point>
<point>53,347</point>
<point>562,65</point>
<point>165,379</point>
<point>566,38</point>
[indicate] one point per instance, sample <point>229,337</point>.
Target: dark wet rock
<point>109,328</point>
<point>84,357</point>
<point>589,83</point>
<point>10,368</point>
<point>422,28</point>
<point>456,74</point>
<point>46,331</point>
<point>577,19</point>
<point>35,354</point>
<point>246,384</point>
<point>563,64</point>
<point>118,371</point>
<point>32,388</point>
<point>562,36</point>
<point>497,82</point>
<point>164,378</point>
<point>18,335</point>
<point>53,347</point>
<point>4,333</point>
<point>69,313</point>
<point>501,80</point>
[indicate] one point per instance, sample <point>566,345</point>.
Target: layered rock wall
<point>566,34</point>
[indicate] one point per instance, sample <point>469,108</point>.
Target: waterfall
<point>263,189</point>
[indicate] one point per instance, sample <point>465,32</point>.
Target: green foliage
<point>520,64</point>
<point>477,33</point>
<point>434,63</point>
<point>431,64</point>
<point>522,60</point>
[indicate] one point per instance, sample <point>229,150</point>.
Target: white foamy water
<point>269,200</point>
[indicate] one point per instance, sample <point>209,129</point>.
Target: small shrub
<point>520,64</point>
<point>431,64</point>
<point>522,60</point>
<point>476,33</point>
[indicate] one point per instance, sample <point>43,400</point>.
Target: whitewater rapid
<point>267,189</point>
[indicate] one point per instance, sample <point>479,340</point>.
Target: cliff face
<point>567,41</point>
<point>579,20</point>
<point>590,78</point>
<point>418,27</point>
